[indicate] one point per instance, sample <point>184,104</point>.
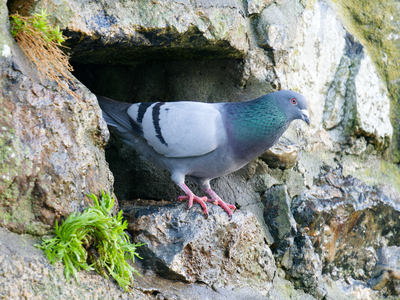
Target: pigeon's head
<point>294,105</point>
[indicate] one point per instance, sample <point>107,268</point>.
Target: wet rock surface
<point>350,222</point>
<point>303,266</point>
<point>277,213</point>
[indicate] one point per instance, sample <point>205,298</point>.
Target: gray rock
<point>104,33</point>
<point>293,250</point>
<point>272,36</point>
<point>347,221</point>
<point>317,35</point>
<point>25,273</point>
<point>277,25</point>
<point>256,6</point>
<point>182,245</point>
<point>386,275</point>
<point>284,154</point>
<point>304,267</point>
<point>278,214</point>
<point>283,289</point>
<point>354,116</point>
<point>51,145</point>
<point>338,290</point>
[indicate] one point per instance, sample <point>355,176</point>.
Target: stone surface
<point>25,273</point>
<point>367,106</point>
<point>51,147</point>
<point>303,266</point>
<point>256,6</point>
<point>110,33</point>
<point>341,55</point>
<point>293,250</point>
<point>375,26</point>
<point>338,290</point>
<point>313,56</point>
<point>348,221</point>
<point>283,289</point>
<point>386,275</point>
<point>323,60</point>
<point>277,213</point>
<point>284,154</point>
<point>183,245</point>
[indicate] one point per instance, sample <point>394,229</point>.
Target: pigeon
<point>204,140</point>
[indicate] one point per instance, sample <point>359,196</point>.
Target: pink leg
<point>191,197</point>
<point>215,199</point>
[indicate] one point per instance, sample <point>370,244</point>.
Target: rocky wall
<point>317,215</point>
<point>52,145</point>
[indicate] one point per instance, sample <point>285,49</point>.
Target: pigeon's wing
<point>180,129</point>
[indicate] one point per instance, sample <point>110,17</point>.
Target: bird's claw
<point>215,199</point>
<point>201,200</point>
<point>226,206</point>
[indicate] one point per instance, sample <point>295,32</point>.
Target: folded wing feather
<point>183,129</point>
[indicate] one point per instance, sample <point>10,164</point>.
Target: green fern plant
<point>94,240</point>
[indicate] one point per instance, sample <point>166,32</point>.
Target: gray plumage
<point>204,140</point>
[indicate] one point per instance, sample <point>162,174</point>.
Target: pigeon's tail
<point>116,116</point>
<point>111,123</point>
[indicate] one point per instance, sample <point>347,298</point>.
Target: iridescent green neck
<point>254,126</point>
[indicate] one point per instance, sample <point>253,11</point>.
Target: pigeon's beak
<point>306,116</point>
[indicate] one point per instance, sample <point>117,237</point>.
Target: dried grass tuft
<point>40,43</point>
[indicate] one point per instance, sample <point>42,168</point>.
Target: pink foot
<point>215,199</point>
<point>192,197</point>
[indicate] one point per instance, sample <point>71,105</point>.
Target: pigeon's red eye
<point>293,101</point>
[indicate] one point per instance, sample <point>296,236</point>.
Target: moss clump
<point>37,23</point>
<point>94,240</point>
